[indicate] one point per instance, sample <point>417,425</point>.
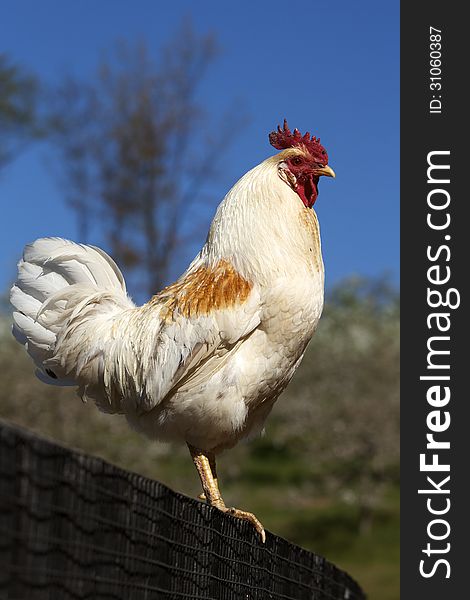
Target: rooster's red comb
<point>284,138</point>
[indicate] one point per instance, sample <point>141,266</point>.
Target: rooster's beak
<point>326,170</point>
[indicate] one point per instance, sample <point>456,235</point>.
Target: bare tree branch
<point>18,114</point>
<point>132,150</point>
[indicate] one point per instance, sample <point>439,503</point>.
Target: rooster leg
<point>205,465</point>
<point>211,459</point>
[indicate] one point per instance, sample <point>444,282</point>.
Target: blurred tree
<point>137,151</point>
<point>18,119</point>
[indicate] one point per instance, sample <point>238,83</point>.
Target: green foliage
<point>325,474</point>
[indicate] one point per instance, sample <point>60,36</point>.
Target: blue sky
<point>330,68</point>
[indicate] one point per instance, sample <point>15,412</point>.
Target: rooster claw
<point>246,516</point>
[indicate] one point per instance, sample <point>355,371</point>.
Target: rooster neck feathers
<point>262,228</point>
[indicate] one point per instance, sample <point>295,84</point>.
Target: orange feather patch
<point>202,291</point>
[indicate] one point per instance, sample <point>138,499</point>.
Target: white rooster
<point>206,358</point>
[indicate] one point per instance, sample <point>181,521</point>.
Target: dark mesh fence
<point>73,526</point>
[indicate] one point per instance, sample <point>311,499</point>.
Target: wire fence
<point>73,526</point>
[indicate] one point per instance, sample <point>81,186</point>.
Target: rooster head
<point>301,163</point>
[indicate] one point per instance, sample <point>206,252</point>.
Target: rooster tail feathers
<point>71,263</point>
<point>56,279</point>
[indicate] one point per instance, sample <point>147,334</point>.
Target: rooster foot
<point>246,516</point>
<point>205,465</point>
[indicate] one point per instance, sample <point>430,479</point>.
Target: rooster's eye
<point>296,160</point>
